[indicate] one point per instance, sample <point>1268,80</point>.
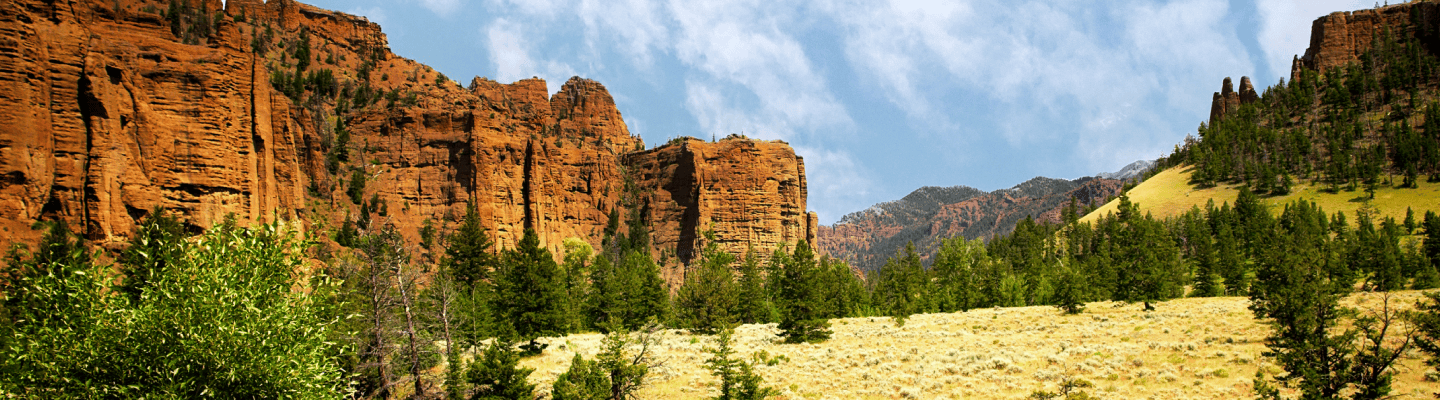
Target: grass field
<point>1169,193</point>
<point>1201,348</point>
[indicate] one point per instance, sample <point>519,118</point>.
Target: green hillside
<point>1169,193</point>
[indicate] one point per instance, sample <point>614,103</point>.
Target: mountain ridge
<point>866,238</point>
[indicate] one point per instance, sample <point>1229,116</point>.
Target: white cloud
<point>1043,64</point>
<point>734,43</point>
<point>1285,27</point>
<point>510,52</point>
<point>840,183</point>
<point>637,24</point>
<point>441,7</point>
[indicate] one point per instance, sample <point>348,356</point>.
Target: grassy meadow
<point>1169,193</point>
<point>1196,348</point>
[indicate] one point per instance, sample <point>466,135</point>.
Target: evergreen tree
<point>956,267</point>
<point>468,255</point>
<point>755,306</point>
<point>902,287</point>
<point>1070,290</point>
<point>497,375</point>
<point>530,292</point>
<point>738,380</point>
<point>585,380</point>
<point>802,308</point>
<point>708,301</point>
<point>847,294</point>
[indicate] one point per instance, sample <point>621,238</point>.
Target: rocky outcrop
<point>867,238</point>
<point>1228,101</point>
<point>749,192</point>
<point>109,109</point>
<point>1344,36</point>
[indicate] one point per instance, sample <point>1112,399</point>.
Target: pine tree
<point>578,256</point>
<point>755,306</point>
<point>902,288</point>
<point>708,300</point>
<point>468,255</point>
<point>738,380</point>
<point>1070,289</point>
<point>530,292</point>
<point>497,375</point>
<point>801,306</point>
<point>585,380</point>
<point>955,268</point>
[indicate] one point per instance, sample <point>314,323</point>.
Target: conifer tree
<point>902,287</point>
<point>802,307</point>
<point>708,300</point>
<point>530,292</point>
<point>755,306</point>
<point>497,375</point>
<point>956,268</point>
<point>738,380</point>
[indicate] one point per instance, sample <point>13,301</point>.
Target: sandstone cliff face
<point>749,192</point>
<point>110,108</point>
<point>1343,36</point>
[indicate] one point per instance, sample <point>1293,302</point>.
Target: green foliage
<point>156,243</point>
<point>803,309</point>
<point>356,189</point>
<point>957,269</point>
<point>585,380</point>
<point>903,286</point>
<point>738,380</point>
<point>1427,322</point>
<point>1298,292</point>
<point>754,305</point>
<point>708,300</point>
<point>530,291</point>
<point>497,374</point>
<point>212,322</point>
<point>629,291</point>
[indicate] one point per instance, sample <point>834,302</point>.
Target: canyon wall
<point>111,108</point>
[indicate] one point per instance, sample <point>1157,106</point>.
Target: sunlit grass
<point>1188,349</point>
<point>1169,194</point>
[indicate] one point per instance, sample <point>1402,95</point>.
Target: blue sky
<point>881,97</point>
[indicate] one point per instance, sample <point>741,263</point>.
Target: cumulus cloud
<point>510,51</point>
<point>637,27</point>
<point>1285,27</point>
<point>1046,64</point>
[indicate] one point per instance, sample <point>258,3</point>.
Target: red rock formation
<point>111,108</point>
<point>1343,36</point>
<point>1228,101</point>
<point>749,192</point>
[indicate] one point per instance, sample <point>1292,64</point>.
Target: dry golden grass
<point>1169,194</point>
<point>1188,349</point>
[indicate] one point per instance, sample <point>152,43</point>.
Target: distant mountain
<point>867,238</point>
<point>1129,171</point>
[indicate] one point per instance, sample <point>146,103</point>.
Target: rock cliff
<point>1228,101</point>
<point>263,110</point>
<point>1343,36</point>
